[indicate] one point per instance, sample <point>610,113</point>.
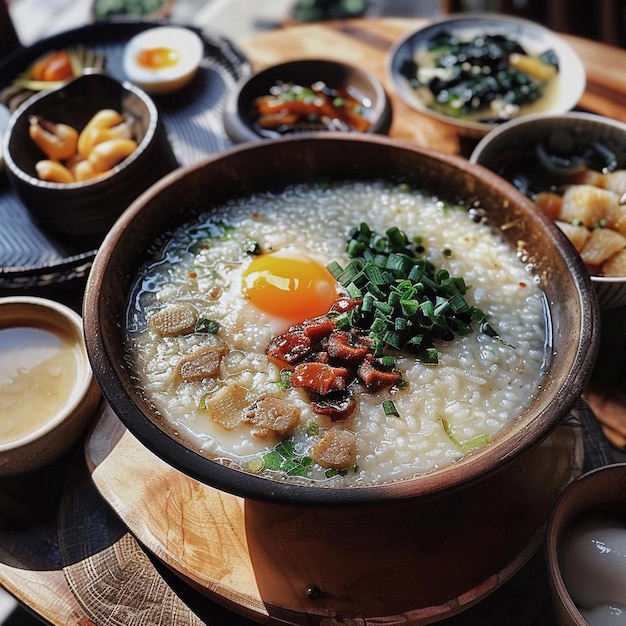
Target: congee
<point>340,334</point>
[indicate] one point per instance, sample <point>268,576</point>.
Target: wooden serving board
<point>408,563</point>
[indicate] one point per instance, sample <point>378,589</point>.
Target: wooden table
<point>68,557</point>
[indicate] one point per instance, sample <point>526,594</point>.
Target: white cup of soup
<point>47,390</point>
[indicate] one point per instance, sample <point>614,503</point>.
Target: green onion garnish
<point>206,325</point>
<point>390,408</point>
<point>407,302</point>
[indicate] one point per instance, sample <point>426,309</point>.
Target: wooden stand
<point>411,562</point>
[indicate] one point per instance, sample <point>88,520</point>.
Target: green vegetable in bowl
<point>488,78</point>
<point>105,9</point>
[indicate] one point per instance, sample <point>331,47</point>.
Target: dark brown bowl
<point>239,118</point>
<point>259,166</point>
<point>89,208</point>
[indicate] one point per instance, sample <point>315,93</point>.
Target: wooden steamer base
<point>412,562</point>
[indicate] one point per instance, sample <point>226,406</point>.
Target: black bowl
<point>240,117</point>
<point>89,208</point>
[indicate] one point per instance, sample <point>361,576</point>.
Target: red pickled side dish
<point>291,108</point>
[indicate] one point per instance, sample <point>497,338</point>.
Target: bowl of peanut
<point>78,155</point>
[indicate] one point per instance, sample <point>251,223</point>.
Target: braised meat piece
<point>330,363</point>
<point>174,320</point>
<point>270,415</point>
<point>337,449</point>
<point>203,363</point>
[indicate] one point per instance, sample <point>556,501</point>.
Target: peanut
<point>93,136</point>
<point>83,170</point>
<point>53,172</point>
<point>109,153</point>
<point>105,118</point>
<point>56,141</point>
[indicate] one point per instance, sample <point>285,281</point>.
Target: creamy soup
<point>37,376</point>
<point>209,335</point>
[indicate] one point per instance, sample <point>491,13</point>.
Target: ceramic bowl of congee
<point>338,319</point>
<point>48,393</point>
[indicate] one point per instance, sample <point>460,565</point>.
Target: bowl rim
<point>575,88</point>
<point>239,130</point>
<point>17,115</point>
<point>249,485</point>
<point>84,375</point>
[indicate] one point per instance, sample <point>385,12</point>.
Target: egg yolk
<point>289,284</point>
<point>157,58</point>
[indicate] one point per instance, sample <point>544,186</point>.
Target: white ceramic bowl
<point>561,95</point>
<point>47,387</point>
<point>517,136</point>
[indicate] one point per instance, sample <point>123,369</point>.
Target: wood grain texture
<point>303,565</point>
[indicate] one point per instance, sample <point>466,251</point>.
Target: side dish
<point>49,71</point>
<point>487,78</point>
<point>106,140</point>
<point>348,334</point>
<point>163,59</point>
<point>291,108</point>
<point>582,189</point>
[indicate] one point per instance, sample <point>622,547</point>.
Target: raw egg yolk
<point>157,58</point>
<point>289,284</point>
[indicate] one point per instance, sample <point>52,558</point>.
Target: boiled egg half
<point>163,59</point>
<point>288,286</point>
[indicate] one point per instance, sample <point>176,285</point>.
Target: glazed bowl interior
<point>597,500</point>
<point>250,168</point>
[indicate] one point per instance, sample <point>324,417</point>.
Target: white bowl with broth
<point>228,202</point>
<point>47,389</point>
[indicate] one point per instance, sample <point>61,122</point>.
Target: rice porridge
<point>243,332</point>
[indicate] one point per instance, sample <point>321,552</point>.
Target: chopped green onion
<point>390,408</point>
<point>407,302</point>
<point>206,325</point>
<point>312,429</point>
<point>284,381</point>
<point>467,446</point>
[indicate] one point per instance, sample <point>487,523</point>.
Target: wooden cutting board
<point>406,563</point>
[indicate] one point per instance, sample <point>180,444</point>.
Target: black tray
<point>30,258</point>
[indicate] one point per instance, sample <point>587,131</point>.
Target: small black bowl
<point>240,116</point>
<point>88,208</point>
